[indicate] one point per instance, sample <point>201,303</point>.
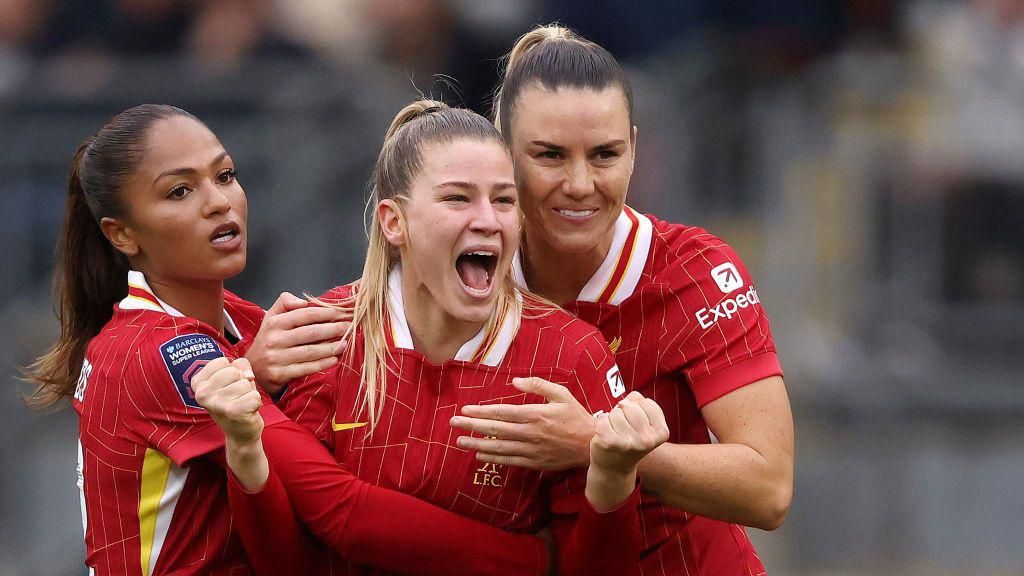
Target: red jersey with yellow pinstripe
<point>413,447</point>
<point>680,311</point>
<point>150,503</point>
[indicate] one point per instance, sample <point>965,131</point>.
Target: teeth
<point>479,253</point>
<point>576,213</point>
<point>224,237</point>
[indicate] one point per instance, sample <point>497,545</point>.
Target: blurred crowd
<point>862,155</point>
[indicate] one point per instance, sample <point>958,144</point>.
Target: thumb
<point>541,387</point>
<point>244,367</point>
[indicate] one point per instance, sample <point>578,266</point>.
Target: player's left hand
<point>551,436</point>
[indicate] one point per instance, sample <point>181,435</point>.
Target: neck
<point>435,333</point>
<point>560,276</point>
<point>203,301</point>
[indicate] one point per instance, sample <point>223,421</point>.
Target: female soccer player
<point>675,303</point>
<point>438,325</point>
<point>153,199</point>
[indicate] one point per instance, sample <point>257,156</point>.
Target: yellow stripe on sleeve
<point>156,467</point>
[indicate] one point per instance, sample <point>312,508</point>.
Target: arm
<point>365,524</point>
<point>605,537</point>
<point>746,478</point>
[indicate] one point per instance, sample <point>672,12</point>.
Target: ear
<point>392,222</point>
<point>120,235</point>
<point>632,149</point>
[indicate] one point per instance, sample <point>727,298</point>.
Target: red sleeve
<point>378,527</point>
<point>274,541</point>
<point>161,410</point>
<point>589,542</point>
<point>717,330</point>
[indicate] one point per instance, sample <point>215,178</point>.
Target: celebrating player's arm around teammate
<point>438,324</point>
<point>155,223</point>
<point>675,302</point>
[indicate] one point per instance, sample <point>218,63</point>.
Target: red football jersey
<point>413,447</point>
<point>680,311</point>
<point>149,505</point>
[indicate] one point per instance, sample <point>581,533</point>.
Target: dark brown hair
<point>89,275</point>
<point>554,57</point>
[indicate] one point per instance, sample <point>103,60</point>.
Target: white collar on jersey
<point>141,297</point>
<point>619,274</point>
<point>487,347</point>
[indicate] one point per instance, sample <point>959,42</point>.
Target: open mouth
<point>476,269</point>
<point>225,233</point>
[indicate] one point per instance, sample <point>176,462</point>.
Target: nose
<point>578,183</point>
<point>217,201</point>
<point>485,219</point>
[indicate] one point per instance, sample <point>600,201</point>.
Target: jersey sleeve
<point>162,411</point>
<point>589,542</point>
<point>716,330</point>
<point>374,526</point>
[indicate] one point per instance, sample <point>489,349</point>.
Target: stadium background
<point>863,156</point>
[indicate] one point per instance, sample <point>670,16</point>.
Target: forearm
<point>390,530</point>
<point>730,482</point>
<point>248,463</point>
<point>608,489</point>
<point>592,542</point>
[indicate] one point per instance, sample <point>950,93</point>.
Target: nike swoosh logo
<point>345,425</point>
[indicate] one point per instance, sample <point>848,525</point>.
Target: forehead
<point>568,112</point>
<point>178,142</point>
<point>465,159</point>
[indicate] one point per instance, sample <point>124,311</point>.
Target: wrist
<point>607,488</point>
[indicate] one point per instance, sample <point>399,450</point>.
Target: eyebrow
<point>470,185</point>
<point>557,148</point>
<point>186,170</point>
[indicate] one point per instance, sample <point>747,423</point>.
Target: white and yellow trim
<point>161,486</point>
<point>619,274</point>
<point>141,297</point>
<point>487,347</point>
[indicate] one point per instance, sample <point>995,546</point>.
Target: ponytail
<point>88,280</point>
<point>89,275</point>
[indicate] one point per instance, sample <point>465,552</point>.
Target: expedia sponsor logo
<point>184,356</point>
<point>615,383</point>
<point>727,308</point>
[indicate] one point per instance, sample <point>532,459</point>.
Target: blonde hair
<point>554,56</point>
<point>399,162</point>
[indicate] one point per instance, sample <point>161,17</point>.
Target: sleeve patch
<point>615,384</point>
<point>184,356</point>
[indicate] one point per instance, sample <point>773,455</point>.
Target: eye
<point>550,155</point>
<point>227,176</point>
<point>179,192</point>
<point>510,200</point>
<point>456,198</point>
<point>607,154</point>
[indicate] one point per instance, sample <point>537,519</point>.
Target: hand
<point>622,438</point>
<point>625,435</point>
<point>227,391</point>
<point>296,339</point>
<point>552,436</point>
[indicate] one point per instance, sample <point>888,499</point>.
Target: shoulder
<point>554,328</point>
<point>692,256</point>
<point>339,294</point>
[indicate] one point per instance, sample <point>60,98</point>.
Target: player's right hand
<point>227,390</point>
<point>296,339</point>
<point>628,433</point>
